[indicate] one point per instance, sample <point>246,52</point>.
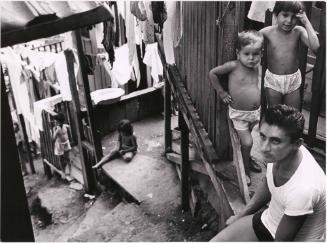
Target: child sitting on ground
<point>283,77</point>
<point>244,95</point>
<point>62,144</point>
<point>126,146</point>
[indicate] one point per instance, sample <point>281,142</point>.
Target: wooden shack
<point>209,31</point>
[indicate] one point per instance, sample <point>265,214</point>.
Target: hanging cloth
<point>152,59</point>
<point>108,40</point>
<point>147,26</point>
<point>137,8</point>
<point>167,32</point>
<point>159,13</point>
<point>258,10</point>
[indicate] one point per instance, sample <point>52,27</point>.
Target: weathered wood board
<point>140,177</point>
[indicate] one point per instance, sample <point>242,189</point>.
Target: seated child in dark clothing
<point>126,147</point>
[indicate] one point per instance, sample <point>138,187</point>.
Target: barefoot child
<point>244,96</point>
<point>62,144</point>
<point>283,77</point>
<point>126,146</point>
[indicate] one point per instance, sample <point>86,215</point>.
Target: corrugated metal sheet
<point>16,14</point>
<point>197,54</point>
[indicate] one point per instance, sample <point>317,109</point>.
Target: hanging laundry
<point>108,40</point>
<point>20,90</point>
<point>178,28</point>
<point>130,32</point>
<point>152,59</point>
<point>159,13</point>
<point>44,104</point>
<point>121,6</point>
<point>137,8</point>
<point>99,35</point>
<point>60,67</point>
<point>132,54</point>
<point>116,19</point>
<point>258,9</point>
<point>167,32</point>
<point>121,71</point>
<point>147,26</point>
<point>140,50</point>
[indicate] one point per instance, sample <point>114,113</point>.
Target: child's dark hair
<point>247,37</point>
<point>60,118</point>
<point>288,6</point>
<point>126,127</point>
<point>287,118</point>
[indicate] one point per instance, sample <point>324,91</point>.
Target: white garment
<point>304,193</point>
<point>99,35</point>
<point>121,71</point>
<point>131,32</point>
<point>152,59</point>
<point>20,91</point>
<point>45,104</point>
<point>168,33</point>
<point>60,66</point>
<point>258,9</point>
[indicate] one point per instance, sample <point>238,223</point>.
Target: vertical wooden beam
<point>304,54</point>
<point>318,79</point>
<point>185,168</point>
<point>15,218</point>
<point>88,175</point>
<point>89,106</point>
<point>168,112</point>
<point>268,22</point>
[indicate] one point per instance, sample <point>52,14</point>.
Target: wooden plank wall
<point>203,46</point>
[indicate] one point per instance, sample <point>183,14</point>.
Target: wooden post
<point>88,175</point>
<point>28,148</point>
<point>15,218</point>
<point>268,22</point>
<point>318,80</point>
<point>167,108</point>
<point>304,54</point>
<point>185,168</point>
<point>89,106</point>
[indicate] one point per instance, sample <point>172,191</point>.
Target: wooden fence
<point>46,137</point>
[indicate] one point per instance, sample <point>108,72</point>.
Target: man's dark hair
<point>126,127</point>
<point>288,6</point>
<point>287,118</point>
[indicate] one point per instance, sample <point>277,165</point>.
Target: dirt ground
<point>110,217</point>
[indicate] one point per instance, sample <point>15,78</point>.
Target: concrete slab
<point>139,177</point>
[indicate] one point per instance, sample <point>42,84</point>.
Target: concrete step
<point>98,209</point>
<point>120,224</point>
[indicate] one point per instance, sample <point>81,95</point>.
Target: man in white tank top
<point>294,187</point>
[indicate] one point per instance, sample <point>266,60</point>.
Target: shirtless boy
<point>283,77</point>
<point>243,97</point>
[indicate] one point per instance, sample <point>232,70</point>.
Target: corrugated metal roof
<point>16,14</point>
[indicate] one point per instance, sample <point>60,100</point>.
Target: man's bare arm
<point>261,197</point>
<point>288,227</point>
